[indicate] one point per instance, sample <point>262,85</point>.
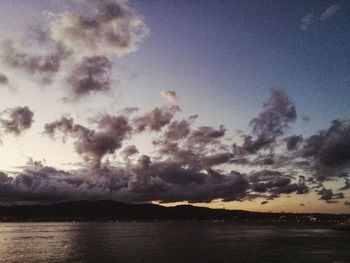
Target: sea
<point>170,242</point>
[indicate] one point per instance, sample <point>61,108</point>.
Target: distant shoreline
<point>111,211</point>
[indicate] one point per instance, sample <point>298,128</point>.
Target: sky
<point>224,104</point>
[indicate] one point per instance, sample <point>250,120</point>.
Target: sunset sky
<point>228,104</point>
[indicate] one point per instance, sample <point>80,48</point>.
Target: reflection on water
<point>169,242</point>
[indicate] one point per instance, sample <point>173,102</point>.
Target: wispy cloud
<point>330,12</point>
<point>310,20</point>
<point>307,21</point>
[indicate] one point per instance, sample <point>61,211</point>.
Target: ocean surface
<point>170,242</point>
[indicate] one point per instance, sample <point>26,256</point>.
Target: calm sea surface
<point>170,242</point>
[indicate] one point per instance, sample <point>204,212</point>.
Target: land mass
<point>110,210</point>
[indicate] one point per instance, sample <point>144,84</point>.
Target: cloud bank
<point>194,164</point>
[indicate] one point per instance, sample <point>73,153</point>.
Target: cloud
<point>277,114</point>
<point>129,151</point>
<point>307,21</point>
<point>92,145</point>
<point>329,12</point>
<point>206,134</point>
<point>329,149</point>
<point>114,27</point>
<point>16,120</point>
<point>90,75</point>
<point>156,119</point>
<point>328,195</point>
<point>140,182</point>
<point>179,129</point>
<point>198,148</point>
<point>346,185</point>
<point>3,79</point>
<point>273,183</point>
<point>42,66</point>
<point>170,96</point>
<point>189,163</point>
<point>64,125</point>
<point>293,142</point>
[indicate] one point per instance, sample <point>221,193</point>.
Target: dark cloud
<point>156,119</point>
<point>43,66</point>
<point>346,185</point>
<point>206,135</point>
<point>64,126</point>
<point>175,183</point>
<point>16,120</point>
<point>293,141</point>
<point>208,161</point>
<point>275,183</point>
<point>90,75</point>
<point>45,184</point>
<point>90,144</point>
<point>278,112</point>
<point>177,130</point>
<point>140,182</point>
<point>329,150</point>
<point>330,147</point>
<point>114,27</point>
<point>329,196</point>
<point>251,145</point>
<point>3,79</point>
<point>199,148</point>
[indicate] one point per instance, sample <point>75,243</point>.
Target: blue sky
<point>233,52</point>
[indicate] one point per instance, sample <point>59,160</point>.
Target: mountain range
<point>112,210</point>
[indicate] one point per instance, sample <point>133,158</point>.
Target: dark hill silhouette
<point>111,210</point>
